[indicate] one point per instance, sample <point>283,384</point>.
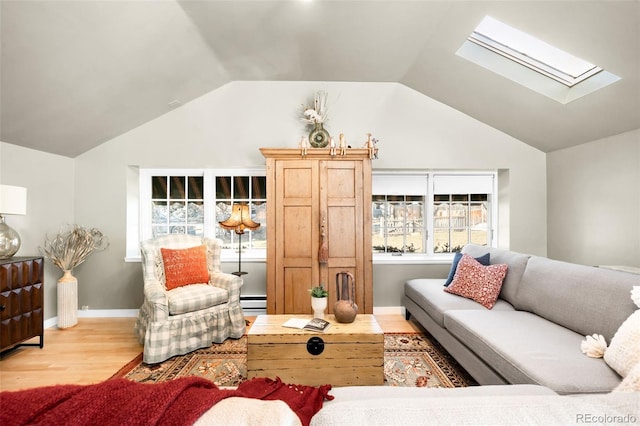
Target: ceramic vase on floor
<point>67,300</point>
<point>318,305</point>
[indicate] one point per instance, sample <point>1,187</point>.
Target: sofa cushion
<point>526,348</point>
<point>428,294</point>
<point>364,393</point>
<point>576,296</point>
<point>485,259</point>
<point>195,297</point>
<point>478,282</point>
<point>517,263</point>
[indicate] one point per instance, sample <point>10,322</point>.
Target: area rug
<point>409,360</point>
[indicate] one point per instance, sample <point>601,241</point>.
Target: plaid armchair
<point>181,320</point>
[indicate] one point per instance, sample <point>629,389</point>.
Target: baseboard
<point>389,310</point>
<point>249,311</point>
<point>108,313</point>
<point>96,313</point>
<point>51,322</point>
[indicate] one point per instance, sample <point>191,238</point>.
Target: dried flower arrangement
<point>318,112</point>
<point>69,248</point>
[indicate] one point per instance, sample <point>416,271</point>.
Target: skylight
<point>532,52</point>
<point>507,50</point>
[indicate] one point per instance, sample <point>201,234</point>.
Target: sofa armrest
<point>229,282</point>
<point>155,297</point>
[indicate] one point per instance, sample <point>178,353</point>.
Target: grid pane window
<point>177,205</point>
<point>398,224</point>
<point>193,201</point>
<point>250,190</point>
<point>459,219</point>
<point>420,214</point>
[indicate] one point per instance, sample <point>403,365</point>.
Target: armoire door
<point>297,201</point>
<point>341,207</point>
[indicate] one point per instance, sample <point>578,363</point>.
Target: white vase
<point>318,304</point>
<point>67,300</point>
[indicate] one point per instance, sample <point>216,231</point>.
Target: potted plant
<point>68,249</point>
<point>319,296</point>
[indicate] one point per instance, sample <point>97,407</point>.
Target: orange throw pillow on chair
<point>185,266</point>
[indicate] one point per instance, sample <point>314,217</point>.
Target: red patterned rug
<point>409,360</point>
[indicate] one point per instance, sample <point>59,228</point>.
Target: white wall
<point>226,128</point>
<point>49,180</point>
<point>594,202</point>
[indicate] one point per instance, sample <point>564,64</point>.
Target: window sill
<point>223,259</point>
<point>377,259</point>
<point>412,259</point>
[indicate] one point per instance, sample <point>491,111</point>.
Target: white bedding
<point>249,412</point>
<point>621,408</point>
<point>481,405</point>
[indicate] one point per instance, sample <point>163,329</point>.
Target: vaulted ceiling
<point>75,74</point>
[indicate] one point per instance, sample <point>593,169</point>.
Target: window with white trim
<point>398,212</point>
<point>416,215</point>
<point>462,206</point>
<point>177,204</point>
<point>250,190</point>
<point>193,201</point>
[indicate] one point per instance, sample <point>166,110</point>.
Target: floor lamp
<point>239,220</point>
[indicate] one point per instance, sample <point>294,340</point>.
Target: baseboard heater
<point>254,304</point>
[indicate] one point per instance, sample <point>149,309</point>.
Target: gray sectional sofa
<point>533,333</point>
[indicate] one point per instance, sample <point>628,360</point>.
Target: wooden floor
<point>97,348</point>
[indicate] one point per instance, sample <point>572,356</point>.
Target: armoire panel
<point>297,183</point>
<point>341,183</point>
<point>342,232</point>
<point>297,231</point>
<point>297,281</point>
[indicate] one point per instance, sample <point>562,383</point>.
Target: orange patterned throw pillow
<point>478,282</point>
<point>185,266</point>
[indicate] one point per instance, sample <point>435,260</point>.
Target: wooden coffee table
<point>347,354</point>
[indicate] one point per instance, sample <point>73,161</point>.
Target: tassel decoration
<point>594,346</point>
<point>323,252</point>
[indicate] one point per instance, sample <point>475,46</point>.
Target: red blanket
<point>122,402</point>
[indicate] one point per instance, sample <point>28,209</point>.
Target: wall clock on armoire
<point>310,196</point>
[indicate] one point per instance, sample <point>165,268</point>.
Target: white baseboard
<point>97,313</point>
<point>51,322</point>
<point>389,310</point>
<point>108,313</point>
<point>132,313</point>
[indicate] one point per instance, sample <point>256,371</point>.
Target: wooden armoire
<point>308,196</point>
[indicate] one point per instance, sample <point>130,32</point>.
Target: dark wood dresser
<point>21,301</point>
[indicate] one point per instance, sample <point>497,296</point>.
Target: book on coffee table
<point>315,324</point>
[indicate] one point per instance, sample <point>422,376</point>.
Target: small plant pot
<point>318,305</point>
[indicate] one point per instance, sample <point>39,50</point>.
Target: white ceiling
<point>75,74</point>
